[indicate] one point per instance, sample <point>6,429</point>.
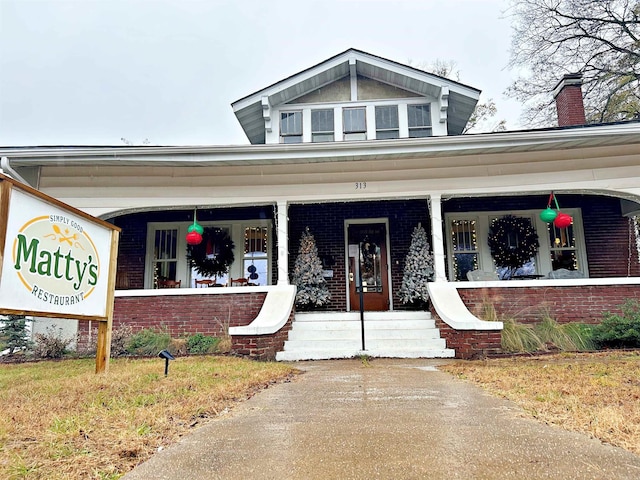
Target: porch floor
<point>328,335</point>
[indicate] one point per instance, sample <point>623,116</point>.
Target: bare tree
<point>483,117</point>
<point>598,38</point>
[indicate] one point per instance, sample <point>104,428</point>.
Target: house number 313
<point>361,185</point>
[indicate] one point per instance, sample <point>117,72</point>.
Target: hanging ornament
<point>195,227</point>
<point>548,215</point>
<point>194,238</point>
<point>563,220</point>
<point>194,232</point>
<point>253,275</point>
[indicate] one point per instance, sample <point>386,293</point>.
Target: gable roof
<point>461,101</point>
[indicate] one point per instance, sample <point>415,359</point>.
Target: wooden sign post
<point>56,261</point>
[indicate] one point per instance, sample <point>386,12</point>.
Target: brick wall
<point>183,315</point>
<point>584,304</point>
<point>470,344</point>
<point>262,347</point>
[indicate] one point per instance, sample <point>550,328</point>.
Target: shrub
<point>120,337</point>
<point>566,337</point>
<point>201,344</point>
<point>51,344</point>
<point>148,341</point>
<point>520,338</point>
<point>619,331</point>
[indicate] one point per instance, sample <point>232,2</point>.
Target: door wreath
<point>214,255</point>
<point>513,241</point>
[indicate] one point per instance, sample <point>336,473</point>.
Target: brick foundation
<point>470,344</point>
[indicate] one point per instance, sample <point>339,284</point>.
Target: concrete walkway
<point>393,419</point>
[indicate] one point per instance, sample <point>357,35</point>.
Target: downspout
<point>7,168</point>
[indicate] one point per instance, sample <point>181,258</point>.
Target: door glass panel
<point>370,271</point>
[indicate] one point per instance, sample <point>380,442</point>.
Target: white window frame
<point>543,257</point>
<point>395,128</point>
<point>183,271</point>
<point>323,132</point>
<point>299,136</point>
<point>420,127</point>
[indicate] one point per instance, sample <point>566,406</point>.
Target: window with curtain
<point>387,125</point>
<point>419,118</point>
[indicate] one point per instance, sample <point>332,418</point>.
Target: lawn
<point>60,420</point>
<point>594,393</point>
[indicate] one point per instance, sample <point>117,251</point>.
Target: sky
<point>165,72</point>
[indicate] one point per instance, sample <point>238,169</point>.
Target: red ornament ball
<point>194,238</point>
<point>563,220</point>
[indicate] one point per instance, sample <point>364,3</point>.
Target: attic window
<point>387,122</point>
<point>322,125</point>
<point>291,127</point>
<point>419,120</point>
<point>354,123</point>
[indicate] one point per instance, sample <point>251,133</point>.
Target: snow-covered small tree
<point>418,269</point>
<point>307,274</point>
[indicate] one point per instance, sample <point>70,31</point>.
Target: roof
<point>462,98</point>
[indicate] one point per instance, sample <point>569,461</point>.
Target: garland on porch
<point>214,255</point>
<point>513,241</point>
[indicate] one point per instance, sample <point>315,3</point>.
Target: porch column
<point>437,242</point>
<point>282,225</point>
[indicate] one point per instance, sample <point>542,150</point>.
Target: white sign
<point>55,261</point>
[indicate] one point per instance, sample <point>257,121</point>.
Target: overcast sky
<point>91,72</point>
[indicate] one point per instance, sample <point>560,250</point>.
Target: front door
<point>368,266</point>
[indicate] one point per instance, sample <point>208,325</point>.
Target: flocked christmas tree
<point>307,274</point>
<point>418,269</point>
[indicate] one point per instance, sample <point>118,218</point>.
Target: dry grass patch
<point>62,421</point>
<point>595,393</point>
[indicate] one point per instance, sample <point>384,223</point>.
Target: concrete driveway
<point>393,419</point>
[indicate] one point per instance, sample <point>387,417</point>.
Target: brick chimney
<point>568,95</point>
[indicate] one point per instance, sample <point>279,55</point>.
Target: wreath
<point>214,255</point>
<point>512,241</point>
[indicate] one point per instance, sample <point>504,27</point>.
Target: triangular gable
<point>252,111</point>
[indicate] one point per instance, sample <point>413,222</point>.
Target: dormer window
<point>419,120</point>
<point>291,127</point>
<point>354,123</point>
<point>387,125</point>
<point>322,125</point>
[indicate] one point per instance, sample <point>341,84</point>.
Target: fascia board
<point>331,151</point>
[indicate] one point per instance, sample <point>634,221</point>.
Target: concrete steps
<point>326,335</point>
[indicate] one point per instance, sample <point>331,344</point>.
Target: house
<point>360,148</point>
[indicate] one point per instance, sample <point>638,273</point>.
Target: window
<point>322,125</point>
<point>256,255</point>
<point>291,127</point>
<point>387,122</point>
<point>165,255</point>
<point>465,247</point>
<point>166,249</point>
<point>419,120</point>
<point>562,247</point>
<point>354,123</point>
